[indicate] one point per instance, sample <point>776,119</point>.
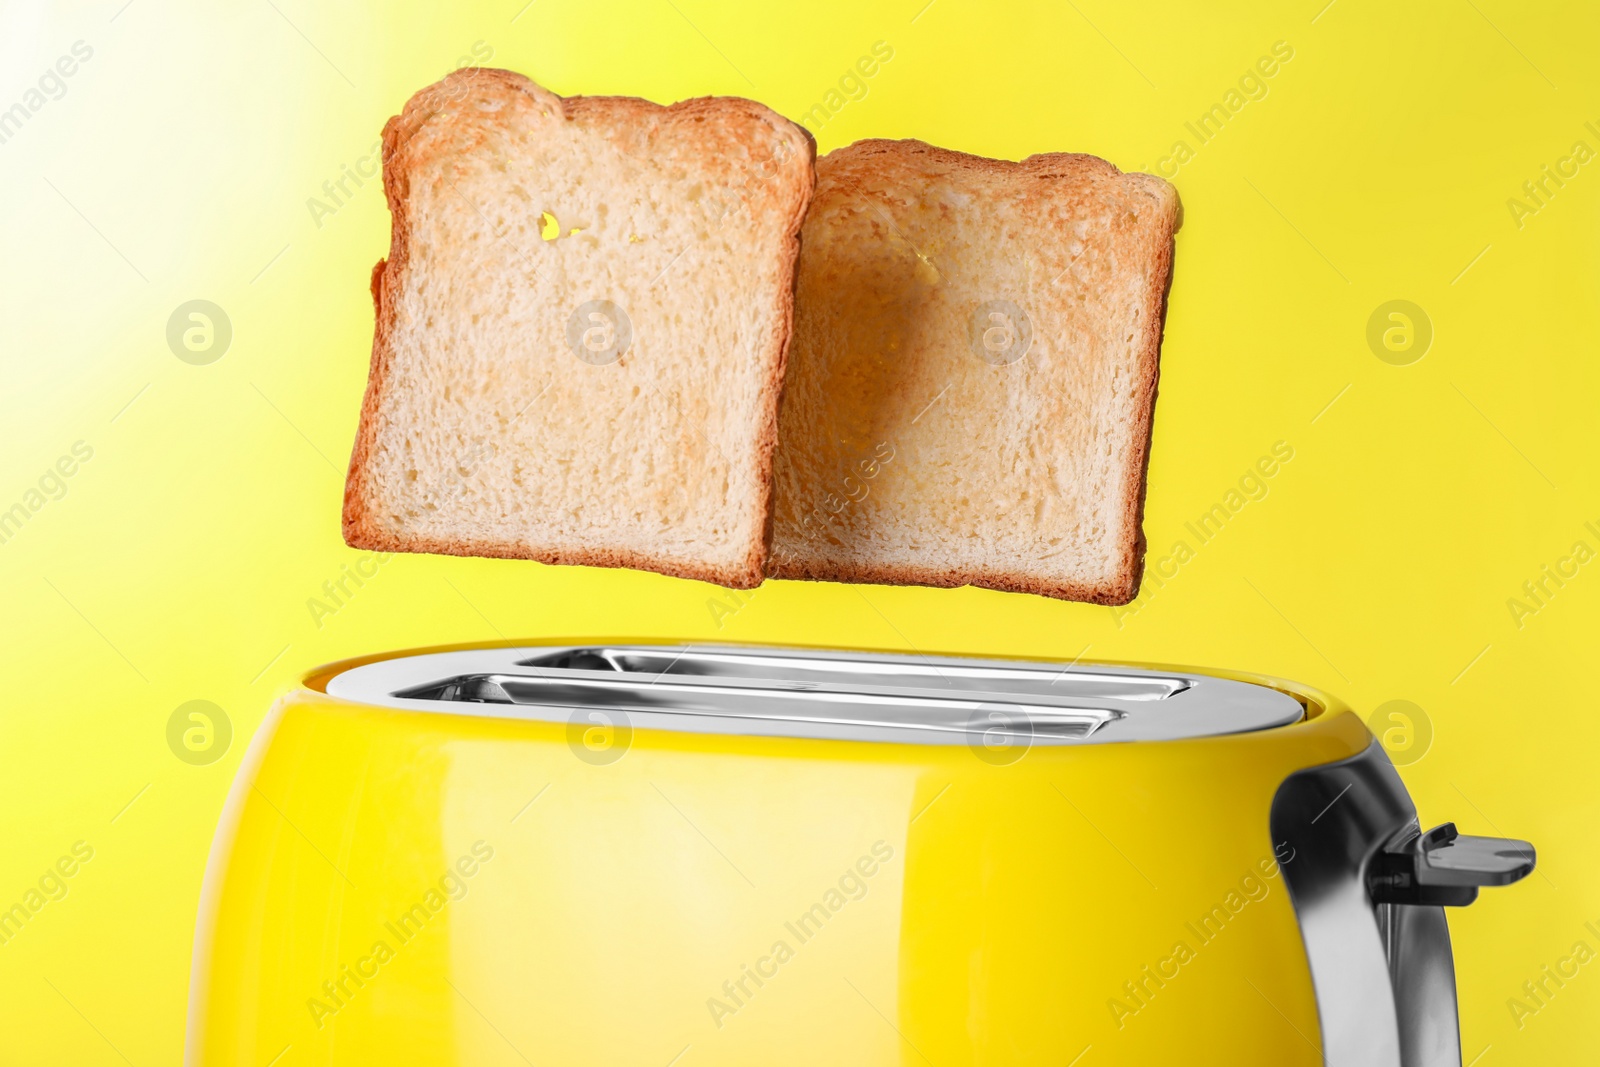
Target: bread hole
<point>549,228</point>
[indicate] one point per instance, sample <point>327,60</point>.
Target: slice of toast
<point>973,374</point>
<point>581,329</point>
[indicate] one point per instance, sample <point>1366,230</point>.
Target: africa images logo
<point>351,978</point>
<point>599,332</point>
<point>999,332</point>
<point>852,885</point>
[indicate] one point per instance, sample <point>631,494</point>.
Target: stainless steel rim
<point>805,693</point>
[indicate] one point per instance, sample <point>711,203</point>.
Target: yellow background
<point>178,163</point>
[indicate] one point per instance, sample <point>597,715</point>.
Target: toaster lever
<point>1443,867</point>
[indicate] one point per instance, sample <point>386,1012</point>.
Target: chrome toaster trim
<point>846,696</point>
<point>1335,818</point>
<point>1369,891</point>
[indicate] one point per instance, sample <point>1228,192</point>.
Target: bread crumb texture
<point>973,372</point>
<point>581,329</point>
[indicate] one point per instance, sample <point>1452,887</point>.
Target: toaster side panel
<point>411,887</point>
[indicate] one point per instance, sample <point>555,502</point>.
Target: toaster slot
<point>837,670</point>
<point>862,705</point>
<point>795,692</point>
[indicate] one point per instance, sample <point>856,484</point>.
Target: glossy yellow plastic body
<point>393,887</point>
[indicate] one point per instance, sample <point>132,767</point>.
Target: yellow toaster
<point>680,856</point>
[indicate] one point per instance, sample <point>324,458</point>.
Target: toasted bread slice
<point>581,329</point>
<point>973,373</point>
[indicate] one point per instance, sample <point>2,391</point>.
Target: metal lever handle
<point>1443,867</point>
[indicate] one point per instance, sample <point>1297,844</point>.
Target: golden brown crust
<point>359,529</point>
<point>383,541</point>
<point>1150,378</point>
<point>939,578</point>
<point>1124,586</point>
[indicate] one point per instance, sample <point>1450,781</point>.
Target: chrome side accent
<point>1336,817</point>
<point>1384,972</point>
<point>1370,890</point>
<point>1422,972</point>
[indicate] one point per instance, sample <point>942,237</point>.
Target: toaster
<point>629,853</point>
